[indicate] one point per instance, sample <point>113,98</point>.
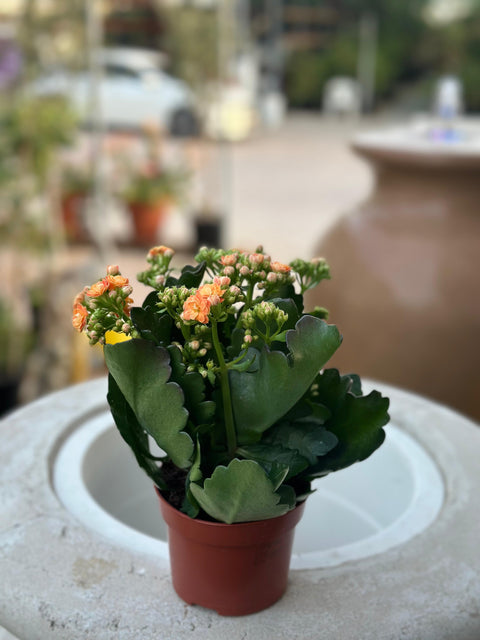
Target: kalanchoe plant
<point>222,368</point>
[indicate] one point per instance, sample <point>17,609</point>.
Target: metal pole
<point>274,14</point>
<point>225,54</point>
<point>367,52</point>
<point>96,205</point>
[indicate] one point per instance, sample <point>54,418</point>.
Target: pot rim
<point>231,533</point>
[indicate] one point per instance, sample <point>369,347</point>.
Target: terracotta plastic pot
<point>146,220</point>
<point>235,569</point>
<point>72,211</point>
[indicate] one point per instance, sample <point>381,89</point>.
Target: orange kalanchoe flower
<point>256,258</point>
<point>278,267</point>
<point>161,250</point>
<point>229,260</point>
<point>213,291</point>
<point>116,282</point>
<point>98,288</point>
<point>196,307</point>
<point>80,315</point>
<point>128,304</point>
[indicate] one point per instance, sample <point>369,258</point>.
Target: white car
<point>134,91</point>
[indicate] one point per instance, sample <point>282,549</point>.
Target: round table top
<point>425,143</point>
<point>61,580</point>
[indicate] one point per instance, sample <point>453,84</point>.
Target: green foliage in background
<point>401,29</point>
<point>192,43</point>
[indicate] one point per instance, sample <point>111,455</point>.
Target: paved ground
<point>285,188</point>
<point>289,187</point>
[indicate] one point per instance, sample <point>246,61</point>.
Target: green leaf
<point>190,505</point>
<point>290,308</point>
<point>141,371</point>
<point>309,440</point>
<point>193,386</point>
<point>240,492</point>
<point>152,325</point>
<point>151,300</point>
<point>190,276</point>
<point>356,421</point>
<point>262,397</point>
<point>287,291</point>
<point>268,454</point>
<point>132,432</point>
<point>276,473</point>
<point>287,495</point>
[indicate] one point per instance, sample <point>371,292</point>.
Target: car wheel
<point>184,124</point>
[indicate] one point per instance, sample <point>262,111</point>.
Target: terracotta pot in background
<point>235,569</point>
<point>72,213</point>
<point>147,218</point>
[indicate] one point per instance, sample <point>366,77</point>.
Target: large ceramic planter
<point>147,219</point>
<point>406,262</point>
<point>235,569</point>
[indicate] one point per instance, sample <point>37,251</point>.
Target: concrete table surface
<point>60,580</point>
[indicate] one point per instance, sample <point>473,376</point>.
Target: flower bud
<point>234,290</point>
<point>214,300</point>
<point>256,258</point>
<point>113,270</point>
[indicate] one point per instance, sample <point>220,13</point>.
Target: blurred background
<point>342,128</point>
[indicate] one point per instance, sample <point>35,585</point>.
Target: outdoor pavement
<point>284,188</point>
<point>288,187</point>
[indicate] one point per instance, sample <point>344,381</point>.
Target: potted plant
<point>76,185</point>
<point>149,192</point>
<point>221,367</point>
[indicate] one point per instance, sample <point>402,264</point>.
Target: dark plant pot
<point>208,233</point>
<point>147,218</point>
<point>9,387</point>
<point>234,569</point>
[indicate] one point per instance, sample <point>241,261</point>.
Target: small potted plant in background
<point>76,186</point>
<point>149,192</point>
<point>222,367</point>
<point>149,188</point>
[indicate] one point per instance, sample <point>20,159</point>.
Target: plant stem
<point>226,396</point>
<point>247,304</point>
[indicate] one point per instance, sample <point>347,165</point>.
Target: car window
<point>117,71</point>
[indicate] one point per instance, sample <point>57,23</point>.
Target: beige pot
<point>405,276</point>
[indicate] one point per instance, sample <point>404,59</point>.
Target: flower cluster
<point>228,381</point>
<point>239,287</point>
<point>104,307</point>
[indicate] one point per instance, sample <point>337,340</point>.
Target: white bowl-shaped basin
<point>360,511</point>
